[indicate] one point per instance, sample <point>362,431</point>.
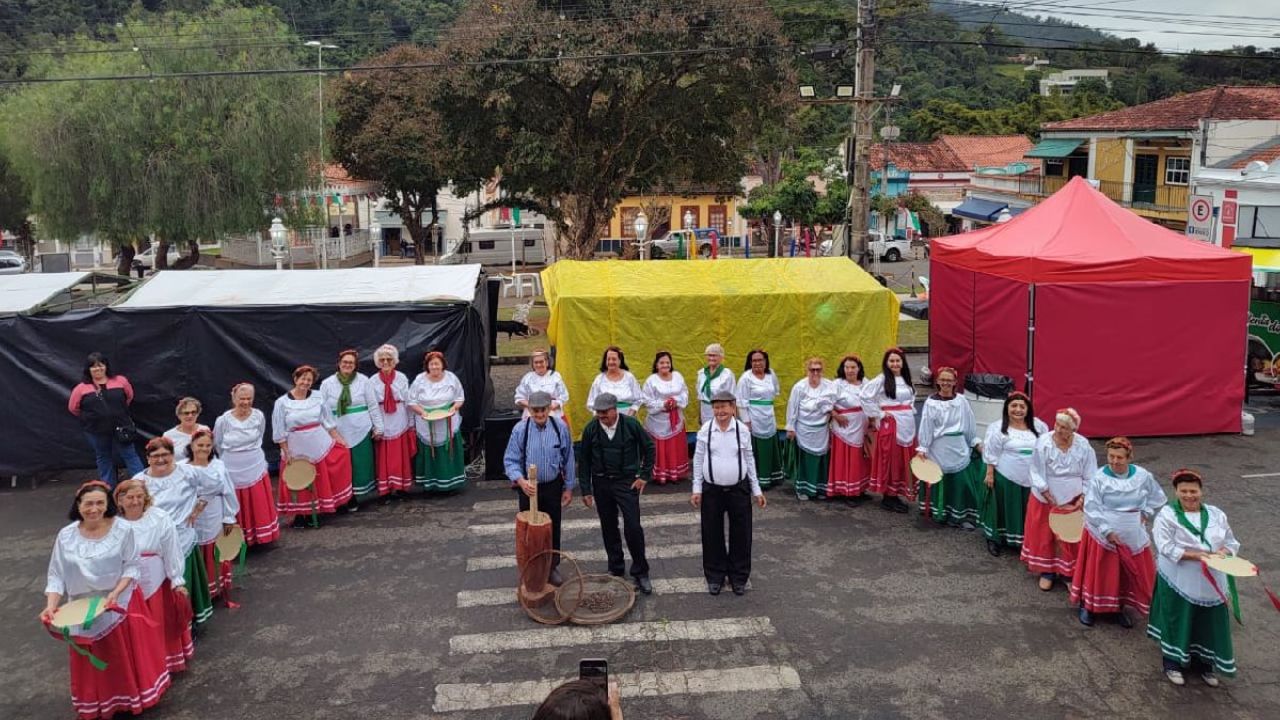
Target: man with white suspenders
<point>724,483</point>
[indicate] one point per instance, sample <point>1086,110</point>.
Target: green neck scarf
<point>708,376</point>
<point>344,399</point>
<point>1199,532</point>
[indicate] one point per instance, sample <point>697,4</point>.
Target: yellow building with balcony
<point>671,211</point>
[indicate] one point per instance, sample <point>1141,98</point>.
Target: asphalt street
<point>403,611</point>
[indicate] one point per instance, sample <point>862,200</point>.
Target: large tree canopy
<point>184,159</point>
<point>664,93</point>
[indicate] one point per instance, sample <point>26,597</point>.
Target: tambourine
<point>1068,527</point>
<point>1231,565</point>
<point>78,612</point>
<point>433,415</point>
<point>228,544</point>
<point>926,471</point>
<point>298,475</point>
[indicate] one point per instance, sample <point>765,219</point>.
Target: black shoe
<point>554,578</point>
<point>643,584</point>
<point>714,588</point>
<point>739,589</point>
<point>993,547</point>
<point>899,506</point>
<point>1123,620</point>
<point>299,521</point>
<point>887,504</point>
<point>353,505</point>
<point>1086,618</point>
<point>858,499</point>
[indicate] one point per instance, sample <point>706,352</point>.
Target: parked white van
<point>493,247</point>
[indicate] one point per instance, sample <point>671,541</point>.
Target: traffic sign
<point>1200,218</point>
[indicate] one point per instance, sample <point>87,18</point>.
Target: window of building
<point>530,242</point>
<point>1258,223</point>
<point>718,218</point>
<point>1177,170</point>
<point>628,218</point>
<point>487,245</point>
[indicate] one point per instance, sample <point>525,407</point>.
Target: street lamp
<point>642,228</point>
<point>279,242</point>
<point>692,248</point>
<point>375,240</point>
<point>320,48</point>
<point>777,233</point>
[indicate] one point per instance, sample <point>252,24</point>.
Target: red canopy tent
<point>1085,304</point>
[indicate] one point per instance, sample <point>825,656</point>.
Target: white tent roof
<point>352,286</point>
<point>19,293</point>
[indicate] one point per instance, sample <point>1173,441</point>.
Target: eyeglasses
<point>189,412</point>
<point>158,455</point>
<point>815,369</point>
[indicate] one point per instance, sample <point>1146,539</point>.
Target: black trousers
<point>549,503</point>
<point>614,497</point>
<point>719,501</point>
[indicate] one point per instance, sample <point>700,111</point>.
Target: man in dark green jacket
<point>616,462</point>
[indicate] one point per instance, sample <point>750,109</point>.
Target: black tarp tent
<point>199,333</point>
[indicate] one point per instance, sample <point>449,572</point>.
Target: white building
<point>1245,195</point>
<point>1064,83</point>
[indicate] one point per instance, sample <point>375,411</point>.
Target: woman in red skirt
<point>665,396</point>
<point>96,556</point>
<point>394,440</point>
<point>303,427</point>
<point>1062,463</point>
<point>889,402</point>
<point>1116,569</point>
<point>237,436</point>
<point>160,571</point>
<point>849,475</point>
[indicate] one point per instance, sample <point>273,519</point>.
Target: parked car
<point>146,260</point>
<point>676,242</point>
<point>891,250</point>
<point>12,264</point>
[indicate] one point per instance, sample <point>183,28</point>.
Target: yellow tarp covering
<point>792,308</point>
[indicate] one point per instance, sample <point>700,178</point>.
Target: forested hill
<point>1035,30</point>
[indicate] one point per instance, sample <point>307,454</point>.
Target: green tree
<point>15,208</point>
<point>181,158</point>
<point>666,105</point>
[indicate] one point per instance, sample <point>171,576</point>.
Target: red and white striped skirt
<point>394,460</point>
<point>1105,582</point>
<point>221,578</point>
<point>258,517</point>
<point>136,676</point>
<point>172,610</point>
<point>671,461</point>
<point>1042,551</point>
<point>891,462</point>
<point>330,491</point>
<point>849,471</point>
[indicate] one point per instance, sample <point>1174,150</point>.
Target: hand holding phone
<point>595,670</point>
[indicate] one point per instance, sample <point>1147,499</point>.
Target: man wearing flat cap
<point>615,463</point>
<point>543,441</point>
<point>725,484</point>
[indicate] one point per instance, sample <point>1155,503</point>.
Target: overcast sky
<point>1199,24</point>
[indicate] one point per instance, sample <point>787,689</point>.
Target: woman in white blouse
<point>948,435</point>
<point>1061,465</point>
<point>1007,451</point>
<point>440,465</point>
<point>303,427</point>
<point>757,389</point>
<point>188,412</point>
<point>542,378</point>
<point>711,379</point>
<point>394,441</point>
<point>889,402</point>
<point>218,515</point>
<point>160,571</point>
<point>1116,569</point>
<point>810,408</point>
<point>1189,615</point>
<point>348,395</point>
<point>850,475</point>
<point>665,396</point>
<point>237,436</point>
<point>96,556</point>
<point>616,379</point>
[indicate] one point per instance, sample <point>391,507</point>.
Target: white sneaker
<point>1175,677</point>
<point>1209,679</point>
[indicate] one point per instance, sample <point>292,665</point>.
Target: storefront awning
<point>1054,148</point>
<point>979,209</point>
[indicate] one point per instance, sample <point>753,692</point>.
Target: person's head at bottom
<point>575,700</point>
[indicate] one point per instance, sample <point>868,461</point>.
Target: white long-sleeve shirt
<point>947,432</point>
<point>755,402</point>
<point>808,413</point>
<point>876,404</point>
<point>395,424</point>
<point>239,445</point>
<point>80,567</point>
<point>220,500</point>
<point>550,383</point>
<point>724,457</point>
<point>441,394</point>
<point>1118,504</point>
<point>654,396</point>
<point>181,441</point>
<point>724,381</point>
<point>356,425</point>
<point>1063,474</point>
<point>1011,453</point>
<point>160,557</point>
<point>1171,540</point>
<point>627,390</point>
<point>290,417</point>
<point>177,494</point>
<point>849,406</point>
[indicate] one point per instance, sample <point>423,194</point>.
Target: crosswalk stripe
<point>646,500</point>
<point>507,595</point>
<point>482,696</point>
<point>569,636</point>
<point>495,562</point>
<point>669,520</point>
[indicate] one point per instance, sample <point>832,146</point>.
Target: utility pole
<point>865,108</point>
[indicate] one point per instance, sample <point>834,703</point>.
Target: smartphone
<point>594,669</point>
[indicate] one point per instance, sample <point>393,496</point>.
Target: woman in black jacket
<point>102,404</point>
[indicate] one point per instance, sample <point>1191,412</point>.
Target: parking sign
<point>1200,218</point>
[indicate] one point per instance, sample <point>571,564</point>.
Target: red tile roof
<point>917,157</point>
<point>1184,112</point>
<point>953,153</point>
